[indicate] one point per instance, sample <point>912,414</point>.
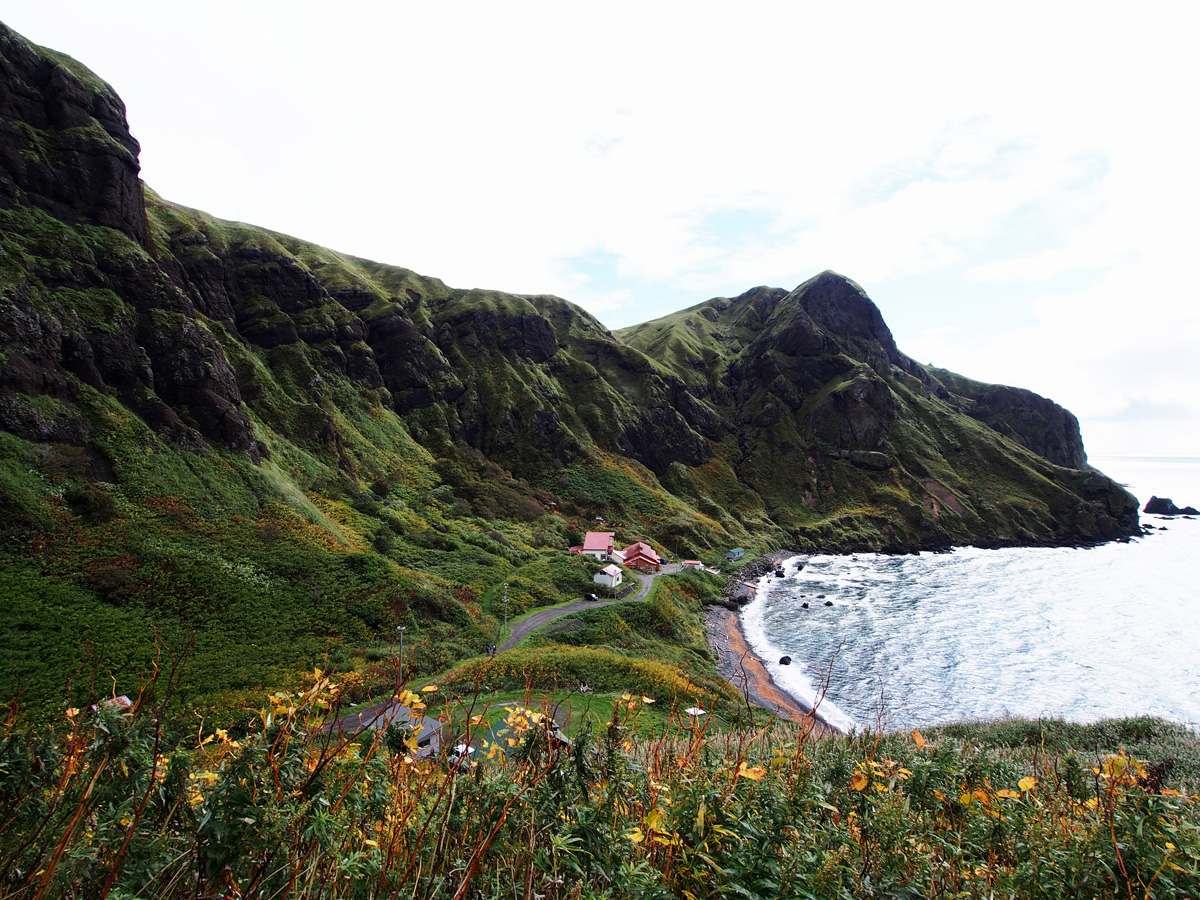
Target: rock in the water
<point>829,603</point>
<point>785,660</point>
<point>1163,506</point>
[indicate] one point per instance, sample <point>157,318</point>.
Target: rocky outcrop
<point>65,145</point>
<point>1027,418</point>
<point>843,308</point>
<point>856,414</point>
<point>1034,421</point>
<point>1163,506</point>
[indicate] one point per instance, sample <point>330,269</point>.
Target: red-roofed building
<point>598,545</point>
<point>642,557</point>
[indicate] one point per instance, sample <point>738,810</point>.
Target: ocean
<point>1081,634</point>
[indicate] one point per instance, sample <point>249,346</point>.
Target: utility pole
<point>506,608</point>
<point>400,665</point>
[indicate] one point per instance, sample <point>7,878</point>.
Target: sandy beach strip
<point>744,669</point>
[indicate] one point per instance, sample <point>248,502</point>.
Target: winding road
<point>379,714</point>
<point>535,620</point>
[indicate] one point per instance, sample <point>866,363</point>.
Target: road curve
<point>542,617</point>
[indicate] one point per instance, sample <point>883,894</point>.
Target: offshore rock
<point>1163,506</point>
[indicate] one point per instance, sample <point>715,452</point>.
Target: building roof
<point>598,540</point>
<point>426,728</point>
<point>641,549</point>
<point>611,570</point>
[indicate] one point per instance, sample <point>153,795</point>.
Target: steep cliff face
<point>87,303</point>
<point>65,146</point>
<point>1036,422</point>
<point>212,431</point>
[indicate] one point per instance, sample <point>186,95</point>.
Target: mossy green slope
<point>878,451</point>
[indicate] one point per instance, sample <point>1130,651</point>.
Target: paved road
<point>543,616</point>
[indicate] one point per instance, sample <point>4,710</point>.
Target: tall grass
<point>105,805</point>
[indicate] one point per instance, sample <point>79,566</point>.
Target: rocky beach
<point>737,661</point>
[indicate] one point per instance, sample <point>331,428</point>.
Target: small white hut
<point>609,576</point>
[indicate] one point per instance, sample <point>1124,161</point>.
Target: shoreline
<point>743,668</point>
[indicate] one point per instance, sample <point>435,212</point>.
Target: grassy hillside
<point>233,464</point>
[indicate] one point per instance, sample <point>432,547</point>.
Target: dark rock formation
<point>840,306</point>
<point>1028,418</point>
<point>1162,506</point>
<point>65,145</point>
<point>789,415</point>
<point>1040,424</point>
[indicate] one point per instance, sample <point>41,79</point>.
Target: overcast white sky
<point>1015,185</point>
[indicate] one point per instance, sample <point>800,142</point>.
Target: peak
<point>831,281</point>
<point>841,305</point>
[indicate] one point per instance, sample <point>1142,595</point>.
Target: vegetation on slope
<point>229,458</point>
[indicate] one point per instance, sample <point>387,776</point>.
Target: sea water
<point>1082,634</point>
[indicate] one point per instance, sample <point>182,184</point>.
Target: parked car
<point>590,597</point>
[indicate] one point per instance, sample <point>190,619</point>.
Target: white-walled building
<point>610,576</point>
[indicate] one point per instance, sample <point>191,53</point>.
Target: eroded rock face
<point>856,415</point>
<point>527,334</point>
<point>72,154</point>
<point>66,151</point>
<point>192,372</point>
<point>1034,421</point>
<point>802,394</point>
<point>838,304</point>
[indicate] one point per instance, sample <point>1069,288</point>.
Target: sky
<point>1016,186</point>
